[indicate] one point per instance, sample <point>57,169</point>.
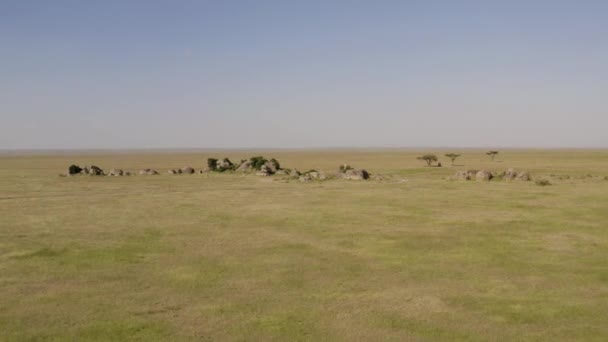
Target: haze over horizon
<point>286,74</point>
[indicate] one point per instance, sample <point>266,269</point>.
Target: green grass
<point>411,256</point>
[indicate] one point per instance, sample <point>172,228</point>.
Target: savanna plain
<point>408,255</point>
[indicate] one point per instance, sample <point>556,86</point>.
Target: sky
<point>303,74</point>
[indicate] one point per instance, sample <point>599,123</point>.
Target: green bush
<point>345,167</point>
<point>226,165</point>
<point>257,162</point>
<point>212,164</point>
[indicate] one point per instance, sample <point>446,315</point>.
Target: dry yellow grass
<point>413,256</point>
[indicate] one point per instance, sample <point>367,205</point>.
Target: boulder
<point>148,172</point>
<point>294,173</point>
<point>484,175</point>
<point>312,175</point>
<point>472,173</point>
<point>172,172</point>
<point>355,174</point>
<point>265,170</point>
<point>281,172</point>
<point>510,174</point>
<point>523,176</point>
<point>462,175</point>
<point>95,171</point>
<point>271,166</point>
<point>187,170</point>
<point>116,172</point>
<point>244,167</point>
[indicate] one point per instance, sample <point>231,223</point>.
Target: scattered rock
<point>148,172</point>
<point>95,171</point>
<point>116,172</point>
<point>354,174</point>
<point>523,176</point>
<point>312,175</point>
<point>187,170</point>
<point>483,175</point>
<point>462,175</point>
<point>510,174</point>
<point>265,171</point>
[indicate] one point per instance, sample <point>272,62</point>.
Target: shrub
<point>225,165</point>
<point>212,164</point>
<point>257,162</point>
<point>74,169</point>
<point>542,182</point>
<point>345,167</point>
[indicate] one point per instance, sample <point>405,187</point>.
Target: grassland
<point>238,257</point>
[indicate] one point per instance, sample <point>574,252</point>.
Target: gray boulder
<point>244,167</point>
<point>116,172</point>
<point>523,176</point>
<point>510,174</point>
<point>95,171</point>
<point>355,174</point>
<point>265,171</point>
<point>187,170</point>
<point>462,175</point>
<point>484,175</point>
<point>148,172</point>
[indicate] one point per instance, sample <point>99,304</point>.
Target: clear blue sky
<point>142,74</point>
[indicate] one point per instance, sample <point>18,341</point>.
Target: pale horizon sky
<point>303,74</point>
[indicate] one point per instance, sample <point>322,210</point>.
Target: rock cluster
<point>119,172</point>
<point>311,175</point>
<point>348,172</point>
<point>93,170</point>
<point>484,175</point>
<point>511,174</point>
<point>148,172</point>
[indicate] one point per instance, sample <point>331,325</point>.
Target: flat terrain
<point>411,256</point>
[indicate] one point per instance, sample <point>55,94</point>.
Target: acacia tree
<point>492,154</point>
<point>452,157</point>
<point>428,158</point>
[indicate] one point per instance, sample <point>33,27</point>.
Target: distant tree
<point>428,158</point>
<point>492,154</point>
<point>452,157</point>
